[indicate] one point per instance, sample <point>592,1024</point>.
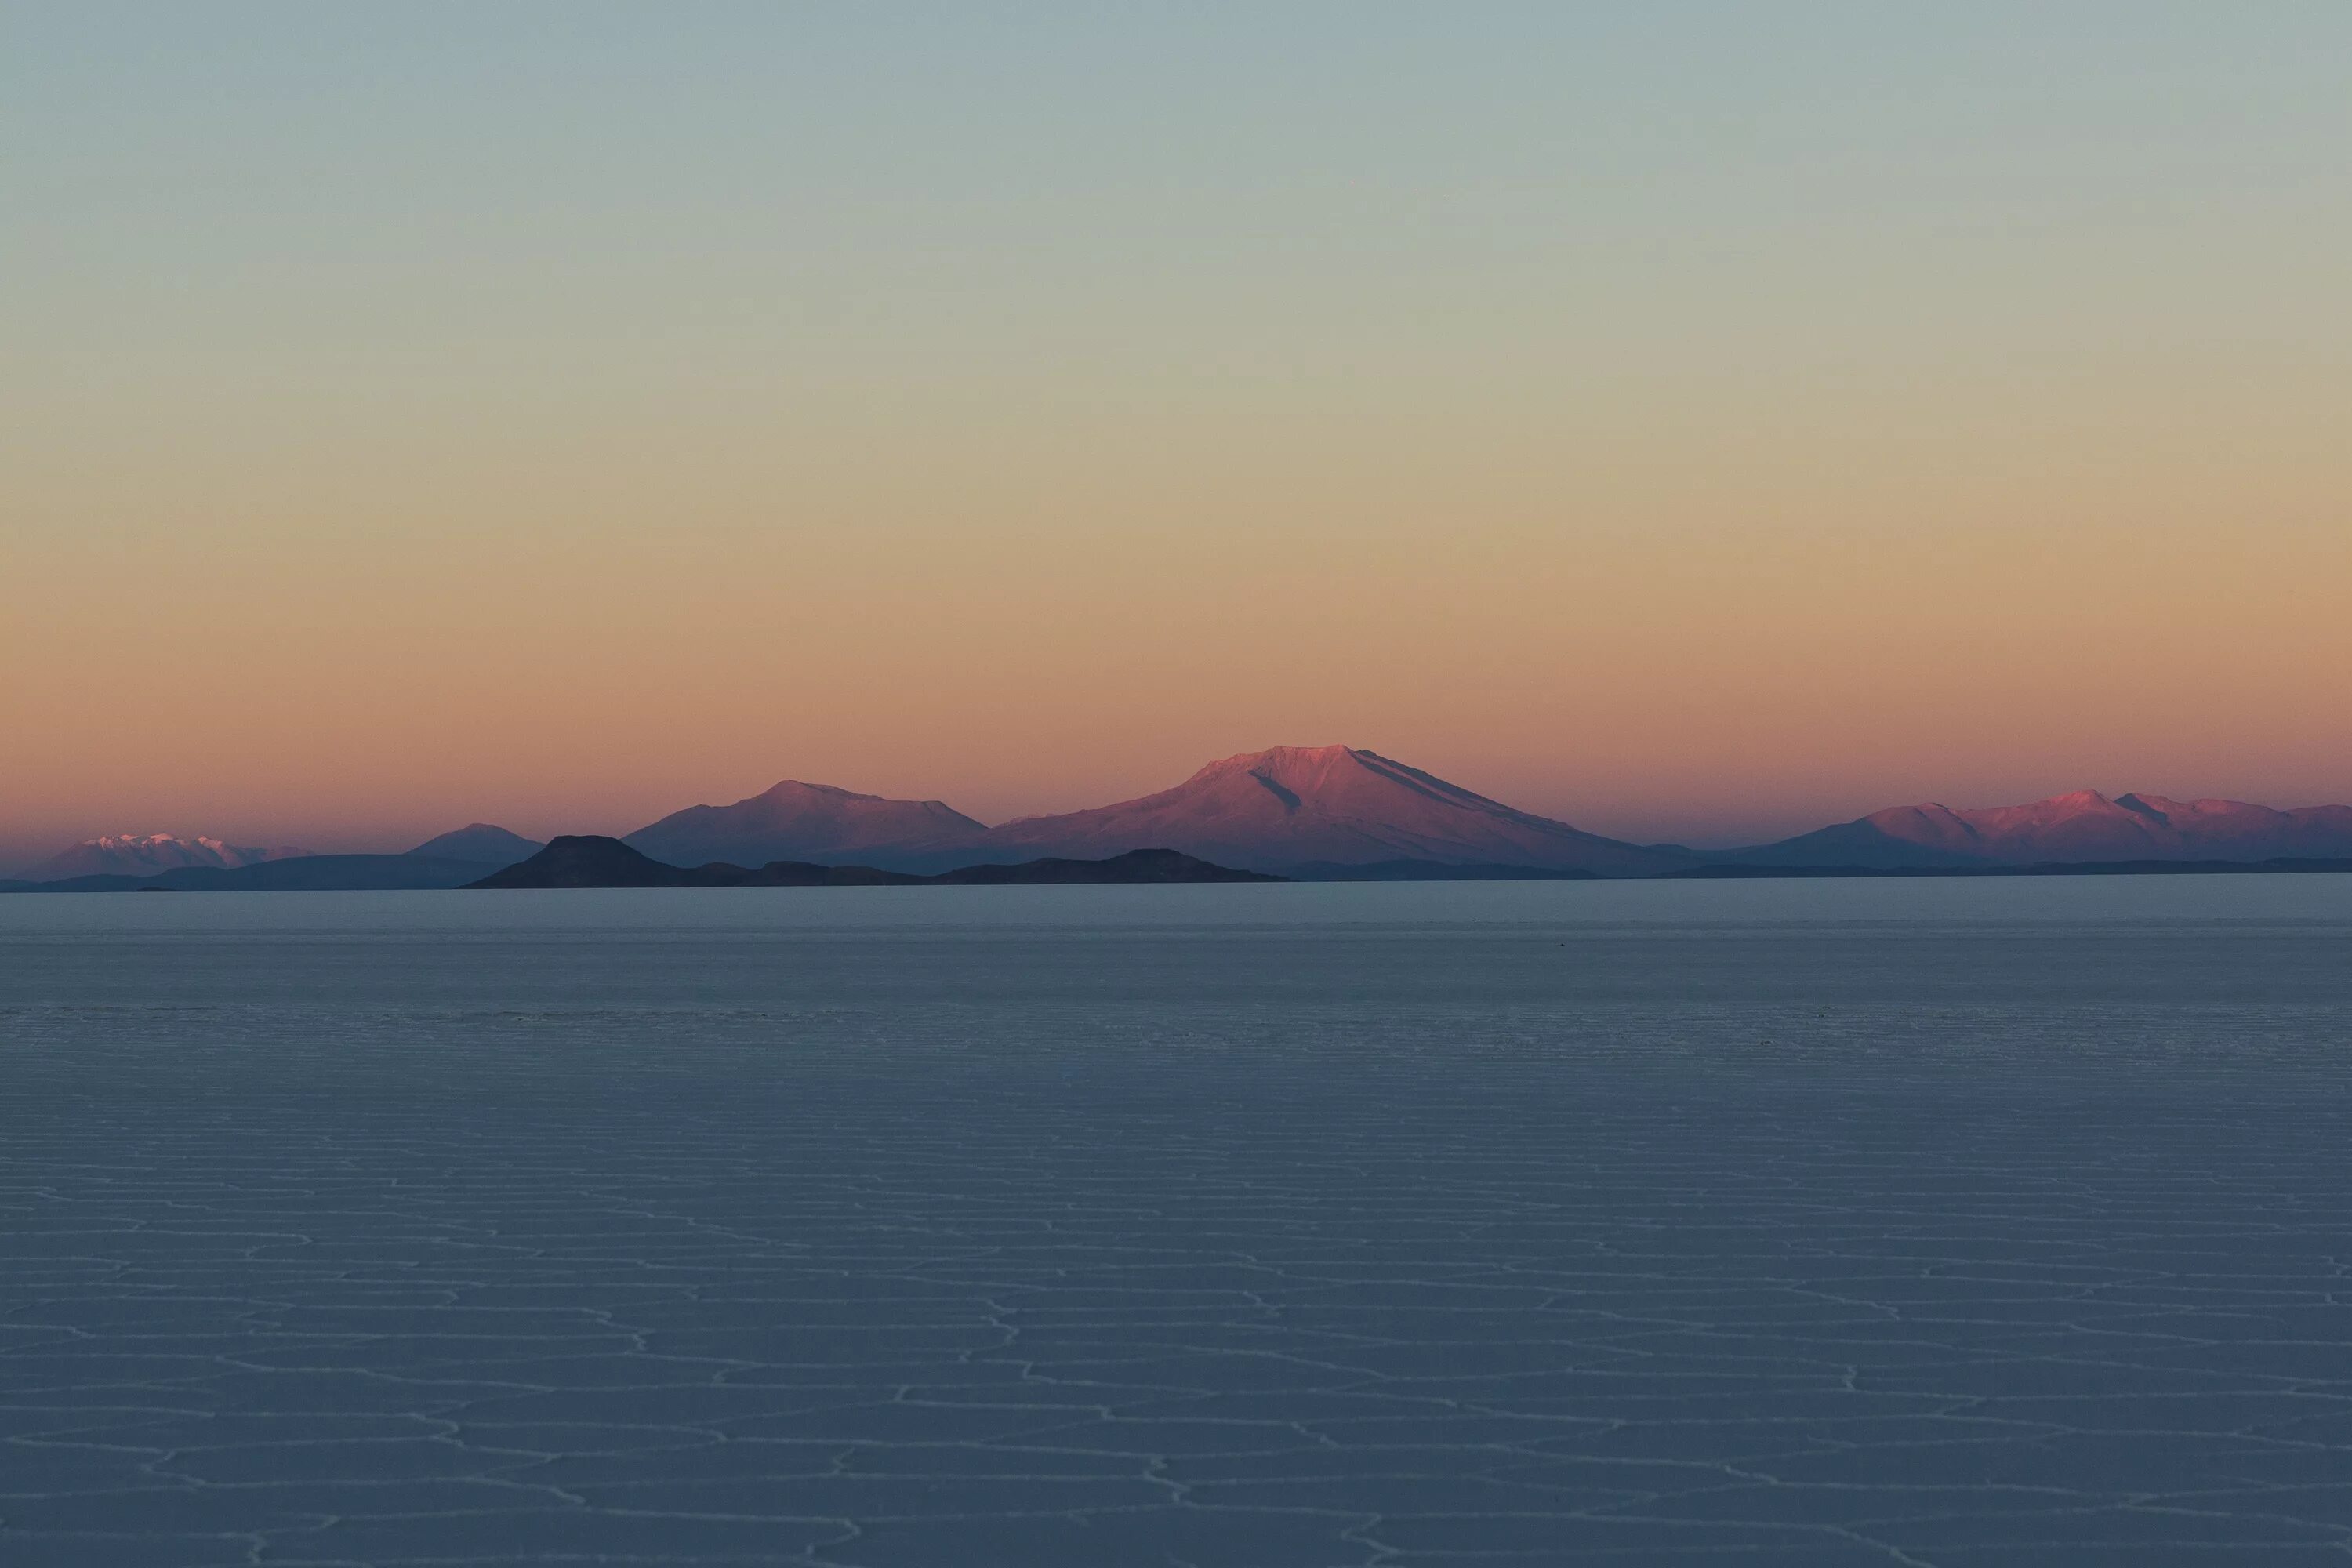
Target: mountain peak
<point>784,789</point>
<point>1296,756</point>
<point>2079,800</point>
<point>1278,761</point>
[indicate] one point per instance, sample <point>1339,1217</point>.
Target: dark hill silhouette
<point>592,860</point>
<point>585,860</point>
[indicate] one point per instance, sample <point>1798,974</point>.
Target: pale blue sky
<point>1481,368</point>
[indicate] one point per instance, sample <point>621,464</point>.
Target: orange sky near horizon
<point>1699,682</point>
<point>1946,418</point>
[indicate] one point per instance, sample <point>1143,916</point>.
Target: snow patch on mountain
<point>143,854</point>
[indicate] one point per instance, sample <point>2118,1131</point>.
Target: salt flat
<point>1927,1223</point>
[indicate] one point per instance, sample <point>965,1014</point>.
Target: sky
<point>1694,421</point>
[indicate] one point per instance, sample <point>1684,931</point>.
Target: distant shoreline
<point>444,876</point>
<point>1308,814</point>
<point>2286,866</point>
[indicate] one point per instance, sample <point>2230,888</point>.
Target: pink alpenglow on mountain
<point>1306,806</point>
<point>796,821</point>
<point>2082,827</point>
<point>144,854</point>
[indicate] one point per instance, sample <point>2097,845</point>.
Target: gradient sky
<point>1694,421</point>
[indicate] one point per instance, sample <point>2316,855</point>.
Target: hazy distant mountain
<point>2082,827</point>
<point>294,874</point>
<point>481,843</point>
<point>139,855</point>
<point>796,821</point>
<point>1293,805</point>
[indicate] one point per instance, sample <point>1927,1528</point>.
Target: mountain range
<point>2075,828</point>
<point>1343,812</point>
<point>146,854</point>
<point>1321,812</point>
<point>1274,810</point>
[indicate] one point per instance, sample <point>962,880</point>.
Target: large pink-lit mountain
<point>796,821</point>
<point>2082,827</point>
<point>1325,805</point>
<point>144,854</point>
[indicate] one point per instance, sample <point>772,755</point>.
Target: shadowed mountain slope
<point>796,821</point>
<point>587,861</point>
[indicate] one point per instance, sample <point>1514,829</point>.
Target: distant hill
<point>139,855</point>
<point>590,861</point>
<point>796,821</point>
<point>481,843</point>
<point>2082,828</point>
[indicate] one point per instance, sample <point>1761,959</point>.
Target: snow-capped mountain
<point>143,854</point>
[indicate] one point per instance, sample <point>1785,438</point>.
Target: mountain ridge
<point>2080,827</point>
